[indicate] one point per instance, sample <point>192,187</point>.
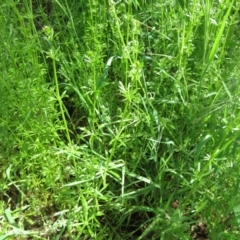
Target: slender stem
<point>60,100</point>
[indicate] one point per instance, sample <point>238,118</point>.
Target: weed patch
<point>119,119</point>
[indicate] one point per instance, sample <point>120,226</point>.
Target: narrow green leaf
<point>219,35</point>
<point>9,217</point>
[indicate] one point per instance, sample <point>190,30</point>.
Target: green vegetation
<point>119,119</point>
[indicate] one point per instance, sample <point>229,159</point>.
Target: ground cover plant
<point>119,119</point>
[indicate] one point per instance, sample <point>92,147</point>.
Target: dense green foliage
<point>119,120</point>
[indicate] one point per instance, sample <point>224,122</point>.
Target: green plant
<point>119,119</point>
